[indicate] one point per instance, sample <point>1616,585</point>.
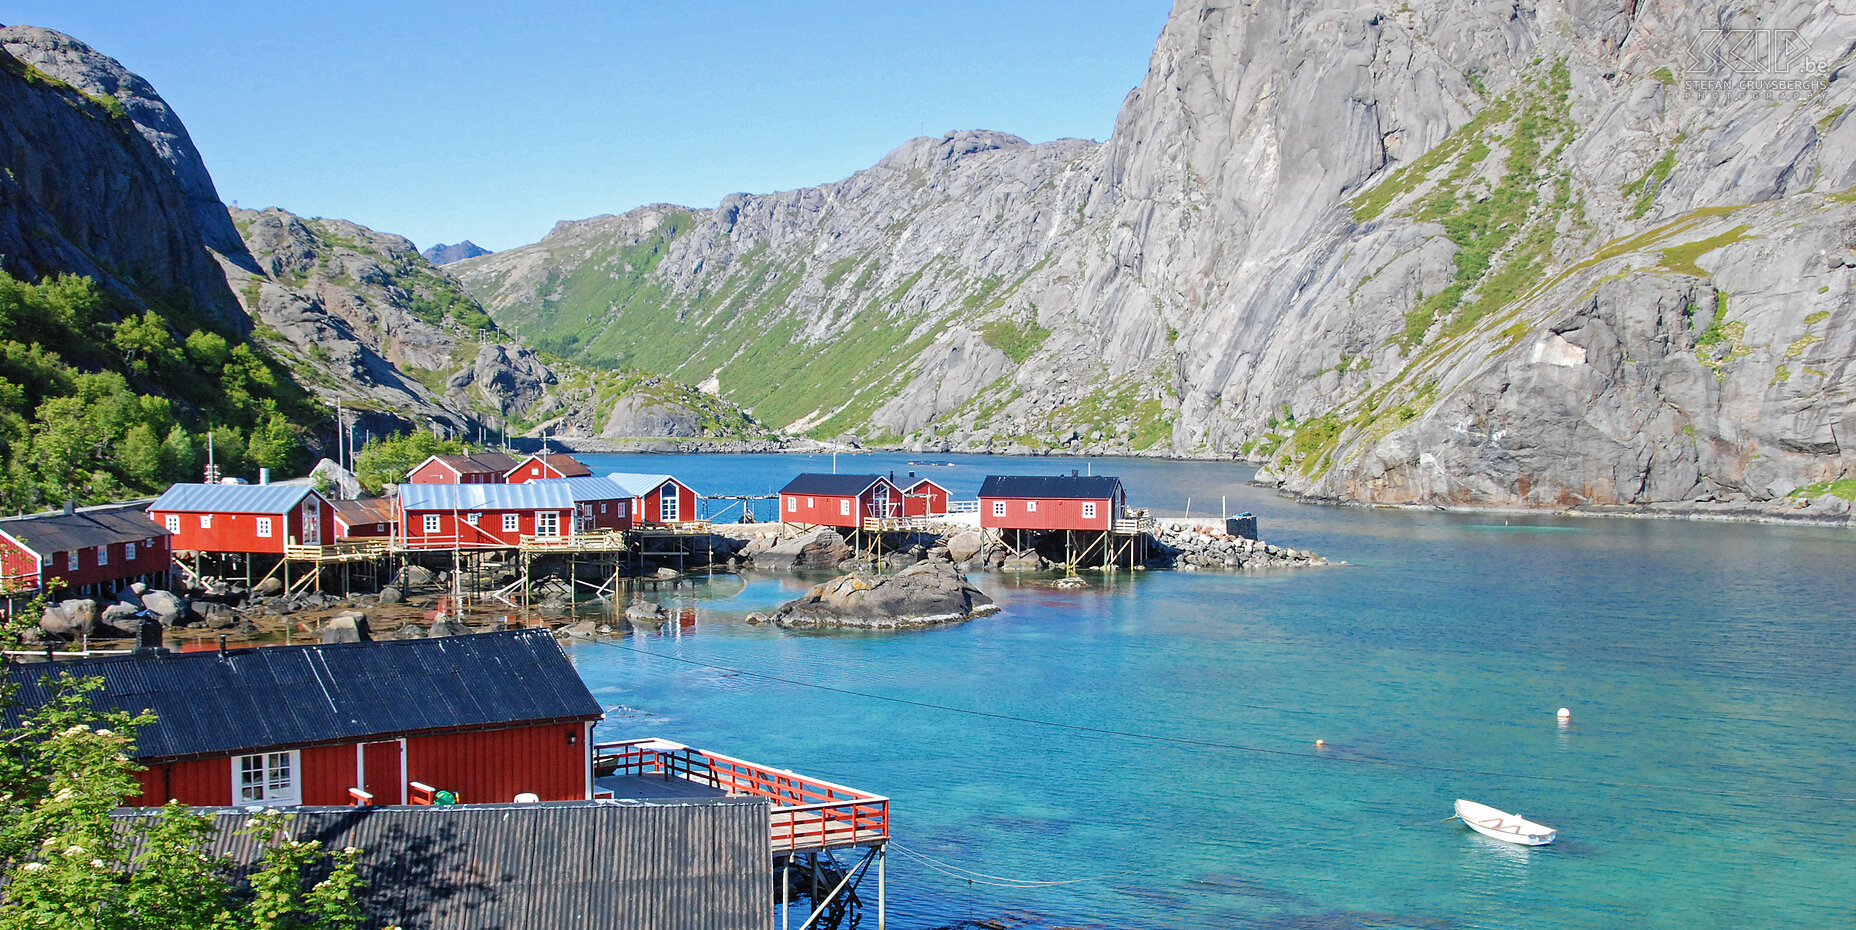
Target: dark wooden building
<point>82,552</point>
<point>373,518</point>
<point>487,717</point>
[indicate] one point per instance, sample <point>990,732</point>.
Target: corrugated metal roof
<point>576,865</point>
<point>372,510</point>
<point>1061,487</point>
<point>830,485</point>
<point>216,703</point>
<point>478,463</point>
<point>531,495</point>
<point>230,498</point>
<point>49,533</point>
<point>640,484</point>
<point>590,488</point>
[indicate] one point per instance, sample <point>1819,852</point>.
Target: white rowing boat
<point>1503,826</point>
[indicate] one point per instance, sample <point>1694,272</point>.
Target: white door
<point>312,522</point>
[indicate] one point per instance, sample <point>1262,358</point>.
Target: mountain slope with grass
<point>1447,253</point>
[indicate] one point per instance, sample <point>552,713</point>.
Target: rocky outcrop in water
<point>1550,255</point>
<point>924,595</point>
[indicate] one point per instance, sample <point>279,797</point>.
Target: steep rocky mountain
<point>442,254</point>
<point>1540,254</point>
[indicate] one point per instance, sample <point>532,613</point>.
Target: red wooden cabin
<point>658,499</point>
<point>83,552</point>
<point>245,518</point>
<point>1038,502</point>
<point>924,498</point>
<point>839,500</point>
<point>486,717</point>
<point>373,518</point>
<point>546,465</point>
<point>480,516</point>
<point>600,502</point>
<point>475,468</point>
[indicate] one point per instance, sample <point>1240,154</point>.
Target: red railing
<point>807,813</point>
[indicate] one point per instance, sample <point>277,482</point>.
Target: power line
<point>1233,747</point>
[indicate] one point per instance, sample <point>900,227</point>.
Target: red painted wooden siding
<point>363,530</point>
<point>441,473</point>
<point>382,774</point>
<point>151,557</point>
<point>1051,514</point>
<point>201,782</point>
<point>496,765</point>
<point>615,515</point>
<point>827,510</point>
<point>925,500</point>
<point>651,506</point>
<point>455,529</point>
<point>238,532</point>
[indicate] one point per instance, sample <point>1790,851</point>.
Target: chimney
<point>264,476</point>
<point>148,638</point>
<point>70,507</point>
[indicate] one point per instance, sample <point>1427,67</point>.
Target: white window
<point>382,527</point>
<point>206,521</point>
<point>267,778</point>
<point>473,518</point>
<point>48,558</point>
<point>667,508</point>
<point>128,552</point>
<point>844,508</point>
<point>264,527</point>
<point>431,523</point>
<point>70,562</point>
<point>534,472</point>
<point>547,523</point>
<point>511,523</point>
<point>1031,506</point>
<point>792,505</point>
<point>998,508</point>
<point>602,507</point>
<point>1089,510</point>
<point>103,556</point>
<point>173,522</point>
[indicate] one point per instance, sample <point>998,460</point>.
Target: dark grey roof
<point>830,485</point>
<point>1049,487</point>
<point>577,865</point>
<point>217,703</point>
<point>48,533</point>
<point>479,463</point>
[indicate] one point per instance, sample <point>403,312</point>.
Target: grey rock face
<point>638,416</point>
<point>442,254</point>
<point>102,180</point>
<point>1257,263</point>
<point>815,550</point>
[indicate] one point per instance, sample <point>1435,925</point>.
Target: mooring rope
<point>1239,747</point>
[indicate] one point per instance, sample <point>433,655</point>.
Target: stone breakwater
<point>1183,545</point>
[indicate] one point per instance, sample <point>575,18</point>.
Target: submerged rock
<point>923,595</point>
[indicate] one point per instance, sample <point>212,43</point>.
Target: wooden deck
<point>807,814</point>
<point>674,528</point>
<point>346,550</point>
<point>895,524</point>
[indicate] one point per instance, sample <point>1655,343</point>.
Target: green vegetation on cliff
<point>98,404</point>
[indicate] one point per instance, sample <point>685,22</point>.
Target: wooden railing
<point>972,506</point>
<point>808,813</point>
<point>592,541</point>
<point>676,528</point>
<point>895,524</point>
<point>346,548</point>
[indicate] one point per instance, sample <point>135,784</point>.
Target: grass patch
<point>1018,342</point>
<point>1844,488</point>
<point>1681,259</point>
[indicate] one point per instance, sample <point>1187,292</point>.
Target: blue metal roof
<point>830,485</point>
<point>231,498</point>
<point>531,495</point>
<point>590,488</point>
<point>641,484</point>
<point>219,703</point>
<point>1050,487</point>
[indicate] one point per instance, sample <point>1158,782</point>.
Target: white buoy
<point>1565,714</point>
<point>1321,742</point>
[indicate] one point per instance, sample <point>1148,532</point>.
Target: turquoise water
<point>1693,656</point>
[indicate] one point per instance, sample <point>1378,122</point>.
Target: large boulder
<point>964,546</point>
<point>815,550</point>
<point>269,587</point>
<point>449,626</point>
<point>923,595</point>
<point>645,615</point>
<point>347,628</point>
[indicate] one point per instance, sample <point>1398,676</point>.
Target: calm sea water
<point>1709,669</point>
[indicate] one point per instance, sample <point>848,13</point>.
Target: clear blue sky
<point>489,122</point>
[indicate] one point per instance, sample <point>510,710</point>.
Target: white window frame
<point>1031,506</point>
<point>103,555</point>
<point>472,518</point>
<point>1089,510</point>
<point>602,506</point>
<point>264,527</point>
<point>548,524</point>
<point>280,779</point>
<point>172,521</point>
<point>72,561</point>
<point>430,524</point>
<point>206,521</point>
<point>512,523</point>
<point>792,504</point>
<point>844,507</point>
<point>998,508</point>
<point>128,552</point>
